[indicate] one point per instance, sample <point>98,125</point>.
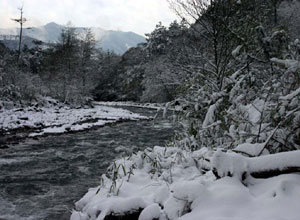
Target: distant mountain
<point>117,41</point>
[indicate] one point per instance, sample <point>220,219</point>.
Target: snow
<point>151,212</point>
<point>255,109</point>
<point>229,164</point>
<point>120,205</point>
<point>236,164</point>
<point>168,183</point>
<point>252,111</point>
<point>210,115</point>
<point>54,120</point>
<point>132,104</point>
<point>250,149</point>
<point>229,199</point>
<point>280,161</point>
<point>292,65</point>
<point>236,51</point>
<point>291,95</point>
<point>236,88</point>
<point>79,216</point>
<point>157,106</point>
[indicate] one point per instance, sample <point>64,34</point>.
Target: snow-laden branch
<point>233,164</point>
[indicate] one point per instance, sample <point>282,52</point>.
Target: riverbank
<point>156,106</point>
<point>172,183</point>
<point>20,123</point>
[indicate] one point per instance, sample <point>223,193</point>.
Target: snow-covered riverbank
<point>55,120</point>
<point>172,183</point>
<point>132,104</point>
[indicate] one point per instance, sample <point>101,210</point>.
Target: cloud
<point>139,16</point>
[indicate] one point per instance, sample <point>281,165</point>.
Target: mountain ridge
<point>109,40</point>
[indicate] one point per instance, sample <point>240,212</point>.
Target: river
<point>42,179</point>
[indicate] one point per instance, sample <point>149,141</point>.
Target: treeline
<point>68,70</point>
<point>149,72</point>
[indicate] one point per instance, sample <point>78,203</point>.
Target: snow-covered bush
<point>257,103</point>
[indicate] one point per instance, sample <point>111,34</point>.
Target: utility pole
<point>21,21</point>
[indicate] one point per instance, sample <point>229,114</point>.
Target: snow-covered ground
<point>53,120</point>
<point>172,183</point>
<point>160,107</point>
<point>132,104</point>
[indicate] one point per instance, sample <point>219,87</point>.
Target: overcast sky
<point>139,16</point>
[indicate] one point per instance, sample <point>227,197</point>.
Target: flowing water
<point>42,179</point>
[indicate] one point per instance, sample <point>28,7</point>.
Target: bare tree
<point>210,21</point>
<point>21,21</point>
<point>87,44</point>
